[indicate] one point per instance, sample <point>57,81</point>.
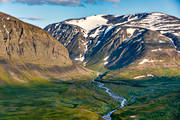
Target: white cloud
<point>3,1</point>
<point>58,2</point>
<point>113,0</point>
<point>31,18</point>
<point>52,2</point>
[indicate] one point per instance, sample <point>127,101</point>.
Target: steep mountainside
<point>27,51</point>
<point>144,39</point>
<point>28,43</point>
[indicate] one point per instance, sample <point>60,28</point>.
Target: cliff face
<point>28,53</point>
<point>23,42</point>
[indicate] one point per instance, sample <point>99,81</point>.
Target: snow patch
<point>106,58</point>
<point>84,64</point>
<point>160,41</point>
<point>98,31</point>
<point>56,25</point>
<point>86,47</point>
<point>157,22</point>
<point>6,29</point>
<point>146,61</point>
<point>173,42</point>
<point>97,43</point>
<point>143,76</point>
<point>150,75</point>
<point>155,50</point>
<point>81,58</point>
<point>94,34</point>
<point>66,44</point>
<point>137,77</point>
<point>89,23</point>
<point>158,14</point>
<point>131,31</point>
<point>49,29</point>
<point>108,29</point>
<point>90,42</point>
<point>149,61</point>
<point>105,63</point>
<point>176,34</point>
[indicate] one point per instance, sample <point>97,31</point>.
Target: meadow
<point>155,98</point>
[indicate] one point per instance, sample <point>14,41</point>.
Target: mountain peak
<point>122,39</point>
<point>89,23</point>
<point>144,20</point>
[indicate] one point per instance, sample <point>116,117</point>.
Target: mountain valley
<point>102,67</point>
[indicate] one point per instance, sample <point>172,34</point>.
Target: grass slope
<point>55,101</point>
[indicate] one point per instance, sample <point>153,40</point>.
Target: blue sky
<point>44,12</point>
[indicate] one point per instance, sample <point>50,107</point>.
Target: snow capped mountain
<point>152,21</point>
<point>89,23</point>
<point>159,22</point>
<point>124,39</point>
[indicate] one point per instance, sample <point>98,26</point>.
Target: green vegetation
<point>130,73</point>
<point>152,107</point>
<point>55,101</point>
<point>157,98</point>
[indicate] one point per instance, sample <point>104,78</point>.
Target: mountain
<point>28,52</point>
<point>56,87</point>
<point>143,40</point>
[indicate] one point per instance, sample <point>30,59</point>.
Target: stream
<point>110,93</point>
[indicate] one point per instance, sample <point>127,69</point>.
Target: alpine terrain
<point>138,57</point>
<point>132,42</point>
<point>102,67</point>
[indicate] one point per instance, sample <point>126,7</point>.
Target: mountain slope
<point>143,40</point>
<point>28,52</point>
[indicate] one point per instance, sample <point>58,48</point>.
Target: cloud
<point>59,2</point>
<point>4,1</point>
<point>50,2</point>
<point>31,18</point>
<point>113,0</point>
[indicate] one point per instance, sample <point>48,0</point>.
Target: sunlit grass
<point>48,100</point>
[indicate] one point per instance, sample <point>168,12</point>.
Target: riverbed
<point>116,97</point>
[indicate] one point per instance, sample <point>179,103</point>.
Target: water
<point>108,116</point>
<point>113,95</point>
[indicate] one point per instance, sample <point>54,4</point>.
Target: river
<point>110,93</point>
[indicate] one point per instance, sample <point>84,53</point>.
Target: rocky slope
<point>28,43</point>
<point>143,40</point>
<point>28,52</point>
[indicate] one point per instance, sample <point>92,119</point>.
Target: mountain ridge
<point>113,42</point>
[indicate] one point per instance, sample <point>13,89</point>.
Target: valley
<point>101,67</point>
<point>155,98</point>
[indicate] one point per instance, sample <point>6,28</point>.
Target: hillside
<point>29,53</point>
